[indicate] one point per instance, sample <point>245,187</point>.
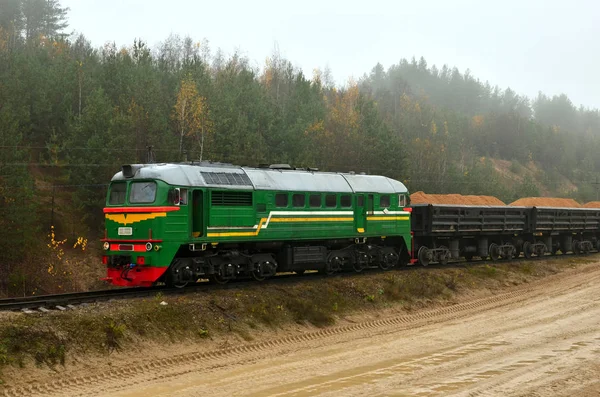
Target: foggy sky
<point>528,45</point>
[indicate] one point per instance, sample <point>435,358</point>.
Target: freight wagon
<point>444,232</point>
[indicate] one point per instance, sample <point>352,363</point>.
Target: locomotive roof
<point>226,176</point>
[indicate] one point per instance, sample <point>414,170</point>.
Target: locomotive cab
<point>136,212</point>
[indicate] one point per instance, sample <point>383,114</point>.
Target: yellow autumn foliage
<point>192,113</point>
<point>477,121</point>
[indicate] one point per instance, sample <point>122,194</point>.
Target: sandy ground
<point>541,339</point>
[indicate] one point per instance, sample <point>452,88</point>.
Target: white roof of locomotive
<point>225,176</point>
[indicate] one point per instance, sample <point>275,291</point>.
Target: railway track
<point>65,301</point>
<point>44,303</point>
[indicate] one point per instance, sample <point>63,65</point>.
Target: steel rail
<point>63,301</point>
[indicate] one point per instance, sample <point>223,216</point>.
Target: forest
<point>71,114</point>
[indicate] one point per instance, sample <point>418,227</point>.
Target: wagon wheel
<point>541,250</point>
<point>494,251</point>
<point>512,253</point>
<point>516,252</point>
<point>468,257</point>
<point>300,272</point>
<point>443,259</point>
<point>585,248</point>
<point>527,250</point>
<point>424,255</point>
<point>555,249</point>
<point>518,248</point>
<point>576,247</point>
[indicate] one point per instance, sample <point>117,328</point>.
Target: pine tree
<point>44,18</point>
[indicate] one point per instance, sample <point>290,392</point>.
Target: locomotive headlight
<point>106,246</point>
<point>148,247</point>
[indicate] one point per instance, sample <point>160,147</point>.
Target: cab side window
<point>117,193</point>
<point>401,200</point>
<point>184,197</point>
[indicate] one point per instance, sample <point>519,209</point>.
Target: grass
<point>19,341</point>
<point>50,339</point>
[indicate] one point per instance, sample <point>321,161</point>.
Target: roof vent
<point>130,170</point>
<point>280,167</point>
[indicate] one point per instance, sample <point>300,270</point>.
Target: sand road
<point>541,339</point>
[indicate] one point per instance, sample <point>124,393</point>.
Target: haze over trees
<point>72,114</point>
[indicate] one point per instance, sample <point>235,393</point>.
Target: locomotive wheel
<point>424,256</point>
<point>388,260</point>
<point>334,264</point>
<point>527,251</point>
<point>328,270</point>
<point>257,276</point>
<point>218,279</point>
<point>357,267</point>
<point>181,284</point>
<point>384,265</point>
<point>223,273</point>
<point>443,260</point>
<point>494,251</point>
<point>361,262</point>
<point>263,271</point>
<point>175,275</point>
<point>177,284</point>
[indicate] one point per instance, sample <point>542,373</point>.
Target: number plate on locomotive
<point>125,231</point>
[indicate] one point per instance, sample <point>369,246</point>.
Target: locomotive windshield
<point>142,192</point>
<point>117,194</point>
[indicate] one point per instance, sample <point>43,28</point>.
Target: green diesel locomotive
<point>178,223</point>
